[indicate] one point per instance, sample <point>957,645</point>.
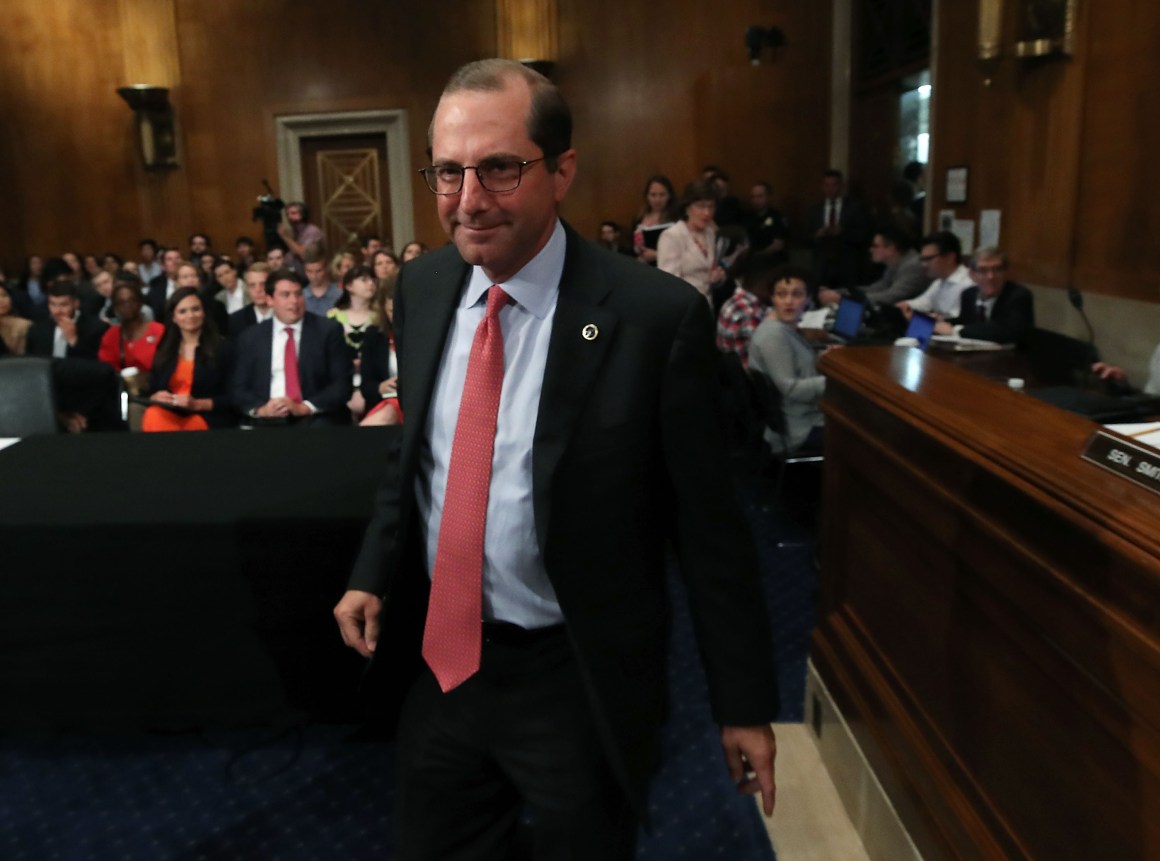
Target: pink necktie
<point>290,366</point>
<point>451,639</point>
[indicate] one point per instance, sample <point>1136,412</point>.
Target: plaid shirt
<point>740,315</point>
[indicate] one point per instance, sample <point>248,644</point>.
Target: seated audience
<point>750,303</point>
<point>340,264</point>
<point>293,367</point>
<point>997,309</point>
<point>232,293</point>
<point>67,333</point>
<point>258,308</point>
<point>189,386</point>
<point>244,251</point>
<point>112,263</point>
<point>780,352</point>
<point>321,294</point>
<point>380,366</point>
<point>131,342</point>
<point>13,327</point>
<point>656,216</point>
<point>385,265</point>
<point>369,247</point>
<point>941,259</point>
<point>275,258</point>
<point>688,249</point>
<point>163,285</point>
<point>147,266</point>
<point>354,312</point>
<point>30,295</point>
<point>902,278</point>
<point>86,389</point>
<point>413,249</point>
<point>99,303</point>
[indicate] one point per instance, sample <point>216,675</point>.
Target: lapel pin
<point>590,332</point>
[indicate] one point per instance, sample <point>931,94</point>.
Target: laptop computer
<point>921,327</point>
<point>848,320</point>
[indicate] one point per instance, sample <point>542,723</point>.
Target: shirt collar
<point>534,287</point>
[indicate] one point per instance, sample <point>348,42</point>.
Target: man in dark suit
<point>294,367</point>
<point>600,443</point>
<point>841,234</point>
<point>258,308</point>
<point>67,333</point>
<point>162,287</point>
<point>996,309</point>
<point>85,388</point>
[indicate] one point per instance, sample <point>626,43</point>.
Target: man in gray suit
<point>606,444</point>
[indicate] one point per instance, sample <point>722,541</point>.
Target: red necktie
<point>290,367</point>
<point>451,639</point>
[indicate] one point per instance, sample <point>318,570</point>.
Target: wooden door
<point>345,183</point>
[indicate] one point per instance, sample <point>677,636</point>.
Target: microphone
<point>1076,300</point>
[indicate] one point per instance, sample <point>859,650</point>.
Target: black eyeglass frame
<point>429,174</point>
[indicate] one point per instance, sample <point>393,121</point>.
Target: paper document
<point>1145,433</point>
<point>815,319</point>
<point>966,345</point>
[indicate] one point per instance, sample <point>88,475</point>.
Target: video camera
<point>269,212</point>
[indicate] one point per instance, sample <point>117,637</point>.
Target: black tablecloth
<point>180,580</point>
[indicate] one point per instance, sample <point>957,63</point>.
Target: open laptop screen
<point>921,328</point>
<point>849,318</point>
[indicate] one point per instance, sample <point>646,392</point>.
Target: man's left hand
<point>750,752</point>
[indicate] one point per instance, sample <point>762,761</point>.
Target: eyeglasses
<point>926,258</point>
<point>495,175</point>
<point>989,270</point>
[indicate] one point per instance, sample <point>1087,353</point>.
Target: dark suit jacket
<point>156,298</point>
<point>1012,316</point>
<point>239,321</point>
<point>89,333</point>
<point>209,381</point>
<point>839,260</point>
<point>626,453</point>
<point>324,368</point>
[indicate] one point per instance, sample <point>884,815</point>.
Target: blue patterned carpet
<point>319,792</point>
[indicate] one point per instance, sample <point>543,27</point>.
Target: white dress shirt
<point>943,295</point>
<point>278,356</point>
<point>516,588</point>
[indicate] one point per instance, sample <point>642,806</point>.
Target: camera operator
<point>301,236</point>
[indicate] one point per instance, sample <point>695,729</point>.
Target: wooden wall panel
<point>1063,146</point>
<point>651,92</point>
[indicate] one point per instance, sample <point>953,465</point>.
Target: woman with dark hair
<point>657,214</point>
<point>688,249</point>
<point>385,265</point>
<point>413,249</point>
<point>190,380</point>
<point>133,341</point>
<point>380,367</point>
<point>111,262</point>
<point>354,312</point>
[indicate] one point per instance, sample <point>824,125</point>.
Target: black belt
<point>507,634</point>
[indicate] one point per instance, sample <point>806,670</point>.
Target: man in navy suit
<point>606,445</point>
<point>315,388</point>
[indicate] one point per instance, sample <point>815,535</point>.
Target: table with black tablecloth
<point>180,580</point>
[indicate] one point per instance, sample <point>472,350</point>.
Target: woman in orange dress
<point>190,380</point>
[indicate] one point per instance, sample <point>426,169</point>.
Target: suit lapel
<point>572,367</point>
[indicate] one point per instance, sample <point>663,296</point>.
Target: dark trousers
<point>508,765</point>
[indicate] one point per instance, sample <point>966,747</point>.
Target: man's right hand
<point>358,620</point>
<point>904,307</point>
